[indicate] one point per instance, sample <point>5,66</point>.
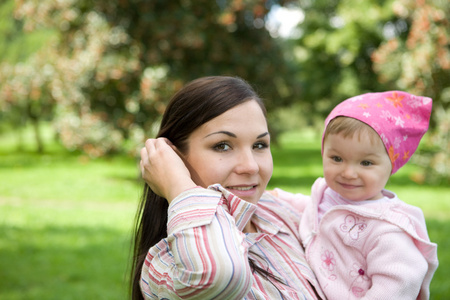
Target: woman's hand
<point>163,169</point>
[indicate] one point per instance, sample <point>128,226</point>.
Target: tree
<point>117,62</point>
<point>334,50</point>
<point>23,86</point>
<point>351,47</point>
<point>419,62</point>
<point>26,95</point>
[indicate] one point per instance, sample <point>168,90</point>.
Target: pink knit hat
<point>399,118</point>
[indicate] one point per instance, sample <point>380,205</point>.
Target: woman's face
<point>233,149</point>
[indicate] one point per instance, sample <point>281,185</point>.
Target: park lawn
<point>66,219</point>
<point>66,226</point>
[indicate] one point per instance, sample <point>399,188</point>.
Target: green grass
<point>65,223</point>
<point>65,219</point>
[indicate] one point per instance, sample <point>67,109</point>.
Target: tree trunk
<point>34,118</point>
<point>37,135</point>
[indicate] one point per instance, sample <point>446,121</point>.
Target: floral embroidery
<point>396,100</point>
<point>332,277</point>
<point>357,291</point>
<point>352,226</point>
<point>361,278</point>
<point>328,261</point>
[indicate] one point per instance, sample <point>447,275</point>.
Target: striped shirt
<point>206,254</point>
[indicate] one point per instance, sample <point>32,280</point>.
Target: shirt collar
<point>242,211</point>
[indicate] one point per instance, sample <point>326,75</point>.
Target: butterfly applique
<point>352,227</point>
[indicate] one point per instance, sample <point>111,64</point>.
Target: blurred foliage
<point>116,63</point>
<point>419,62</point>
<point>15,44</point>
<point>21,100</point>
<point>349,47</point>
<point>334,50</point>
<point>26,93</point>
<point>105,70</point>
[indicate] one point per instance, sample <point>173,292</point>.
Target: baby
<point>361,240</point>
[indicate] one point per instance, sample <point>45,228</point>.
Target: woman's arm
<point>205,254</point>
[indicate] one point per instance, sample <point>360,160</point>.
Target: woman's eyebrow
<point>262,135</point>
<point>234,136</point>
<point>222,132</point>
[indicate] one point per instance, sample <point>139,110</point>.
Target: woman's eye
<point>366,163</point>
<point>222,147</point>
<point>336,158</point>
<point>260,145</point>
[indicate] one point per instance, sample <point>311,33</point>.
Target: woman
<point>206,229</point>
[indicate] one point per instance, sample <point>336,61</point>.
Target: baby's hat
<point>399,118</point>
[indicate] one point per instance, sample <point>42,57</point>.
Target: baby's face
<point>356,167</point>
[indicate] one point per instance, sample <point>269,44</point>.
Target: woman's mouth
<point>243,191</point>
<point>241,188</point>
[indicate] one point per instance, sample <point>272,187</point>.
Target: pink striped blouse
<point>205,255</point>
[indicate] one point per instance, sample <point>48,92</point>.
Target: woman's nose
<point>247,163</point>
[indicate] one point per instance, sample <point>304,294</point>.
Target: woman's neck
<point>250,228</point>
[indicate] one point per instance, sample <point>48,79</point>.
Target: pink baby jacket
<point>380,250</point>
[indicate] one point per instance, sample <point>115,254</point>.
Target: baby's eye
<point>336,158</point>
<point>260,145</point>
<point>221,147</point>
<point>366,163</point>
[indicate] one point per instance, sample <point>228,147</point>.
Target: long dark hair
<point>195,104</point>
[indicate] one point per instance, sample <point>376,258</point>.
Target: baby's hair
<point>348,127</point>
